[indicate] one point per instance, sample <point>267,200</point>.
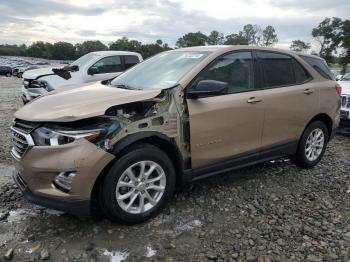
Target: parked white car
<point>345,104</point>
<point>94,66</point>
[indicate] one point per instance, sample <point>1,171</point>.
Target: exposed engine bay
<point>166,114</point>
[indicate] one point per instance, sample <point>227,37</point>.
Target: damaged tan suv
<point>181,115</point>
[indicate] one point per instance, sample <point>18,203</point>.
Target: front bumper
<point>36,171</point>
<point>81,208</point>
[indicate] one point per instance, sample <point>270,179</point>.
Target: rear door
<point>130,61</point>
<point>291,99</point>
<point>227,125</point>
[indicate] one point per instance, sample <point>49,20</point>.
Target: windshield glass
<point>82,61</point>
<point>160,71</point>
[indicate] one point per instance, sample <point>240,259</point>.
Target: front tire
<point>312,145</point>
<point>138,185</point>
<point>8,74</point>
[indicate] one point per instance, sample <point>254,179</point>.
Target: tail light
<point>338,89</point>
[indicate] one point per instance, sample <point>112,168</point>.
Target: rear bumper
<point>80,208</point>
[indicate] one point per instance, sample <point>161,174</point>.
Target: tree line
<point>67,51</point>
<point>332,35</point>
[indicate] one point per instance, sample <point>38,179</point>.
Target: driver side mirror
<point>206,88</point>
<point>93,70</point>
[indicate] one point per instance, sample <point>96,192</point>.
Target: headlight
<point>39,84</point>
<point>46,136</point>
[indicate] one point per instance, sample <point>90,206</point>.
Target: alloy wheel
<point>141,187</point>
<point>314,144</point>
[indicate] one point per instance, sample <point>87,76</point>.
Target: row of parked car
<point>15,66</point>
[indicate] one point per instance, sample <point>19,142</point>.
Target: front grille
<point>21,139</point>
<point>25,126</point>
<point>20,182</point>
<point>345,101</point>
<point>344,114</point>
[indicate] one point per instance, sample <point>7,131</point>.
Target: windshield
<point>82,61</point>
<point>161,71</point>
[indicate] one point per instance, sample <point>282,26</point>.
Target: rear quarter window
<point>320,66</point>
<point>301,75</point>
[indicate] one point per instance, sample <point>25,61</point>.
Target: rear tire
<point>312,145</point>
<point>138,185</point>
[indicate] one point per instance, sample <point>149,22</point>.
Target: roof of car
<point>227,48</point>
<point>104,53</point>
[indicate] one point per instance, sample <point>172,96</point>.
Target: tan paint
<point>42,163</point>
<point>73,104</point>
<point>223,126</point>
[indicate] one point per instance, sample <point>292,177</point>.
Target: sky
<point>26,21</point>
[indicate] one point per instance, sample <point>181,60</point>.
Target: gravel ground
<point>269,212</point>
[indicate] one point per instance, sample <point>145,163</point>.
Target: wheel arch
<point>326,119</point>
<point>166,144</point>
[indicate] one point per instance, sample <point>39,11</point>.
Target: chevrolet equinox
<point>123,147</point>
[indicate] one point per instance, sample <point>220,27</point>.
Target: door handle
<point>253,100</point>
<point>308,91</point>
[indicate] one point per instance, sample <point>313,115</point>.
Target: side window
<point>130,60</point>
<point>320,66</point>
<point>110,64</point>
<point>277,68</point>
<point>301,75</point>
<point>236,69</point>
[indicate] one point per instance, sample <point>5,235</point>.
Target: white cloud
<point>148,20</point>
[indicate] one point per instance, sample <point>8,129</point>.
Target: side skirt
<point>241,161</point>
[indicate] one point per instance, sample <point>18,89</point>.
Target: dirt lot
<point>270,212</point>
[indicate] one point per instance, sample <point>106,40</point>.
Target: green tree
<point>63,51</point>
<point>40,49</point>
<point>269,36</point>
<point>328,35</point>
<point>215,38</point>
<point>236,39</point>
<point>192,39</point>
<point>89,46</point>
<point>124,44</point>
<point>300,46</point>
<point>345,45</point>
<point>252,33</point>
<point>13,50</point>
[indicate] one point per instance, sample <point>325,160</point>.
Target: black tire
<point>300,158</point>
<point>19,75</point>
<point>8,74</point>
<point>107,192</point>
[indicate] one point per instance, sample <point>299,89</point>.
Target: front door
<point>227,125</point>
<point>108,68</point>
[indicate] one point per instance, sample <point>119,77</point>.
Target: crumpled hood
<point>345,86</point>
<point>75,103</point>
<point>34,73</point>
